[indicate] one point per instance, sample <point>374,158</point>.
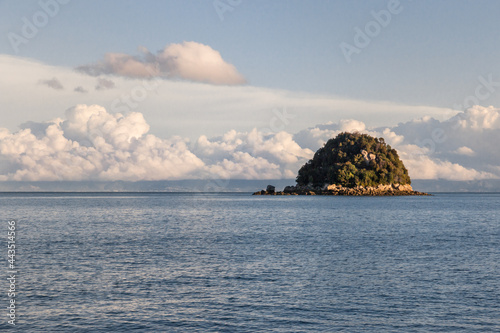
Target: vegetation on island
<point>353,159</point>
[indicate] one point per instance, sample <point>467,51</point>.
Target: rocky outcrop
<point>334,189</point>
<point>368,156</point>
<point>270,189</point>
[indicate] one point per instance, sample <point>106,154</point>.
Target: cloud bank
<point>90,143</point>
<point>187,60</point>
<point>170,106</point>
<point>93,144</point>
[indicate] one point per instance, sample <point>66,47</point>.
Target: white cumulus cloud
<point>90,143</point>
<point>272,155</point>
<point>464,151</point>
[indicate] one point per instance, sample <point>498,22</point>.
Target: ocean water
<point>183,262</point>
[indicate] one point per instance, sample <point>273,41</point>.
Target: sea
<point>233,262</point>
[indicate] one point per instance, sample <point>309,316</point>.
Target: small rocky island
<point>351,164</point>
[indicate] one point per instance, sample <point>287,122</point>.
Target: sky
<point>155,90</point>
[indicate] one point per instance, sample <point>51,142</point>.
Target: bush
<point>341,162</point>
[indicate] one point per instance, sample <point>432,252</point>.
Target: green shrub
<point>340,161</point>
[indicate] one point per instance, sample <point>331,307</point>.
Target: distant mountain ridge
<point>222,185</point>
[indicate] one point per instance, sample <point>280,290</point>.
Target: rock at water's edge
<point>333,189</point>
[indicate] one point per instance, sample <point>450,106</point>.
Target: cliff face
<point>353,159</point>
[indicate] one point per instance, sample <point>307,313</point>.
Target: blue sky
<point>431,52</point>
<point>250,92</point>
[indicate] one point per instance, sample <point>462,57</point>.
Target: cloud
<point>90,143</point>
<point>269,155</point>
<point>103,84</point>
<point>351,125</point>
<point>80,89</point>
<point>425,167</point>
<point>169,106</point>
<point>53,83</point>
<point>423,163</point>
<point>468,138</point>
<point>477,118</point>
<point>464,151</point>
<point>431,145</point>
<point>314,137</point>
<point>187,60</point>
<point>245,166</point>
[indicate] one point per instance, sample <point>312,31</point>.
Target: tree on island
<point>353,159</point>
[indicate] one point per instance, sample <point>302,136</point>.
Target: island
<point>351,164</point>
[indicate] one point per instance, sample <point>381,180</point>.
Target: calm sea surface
<point>102,262</point>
